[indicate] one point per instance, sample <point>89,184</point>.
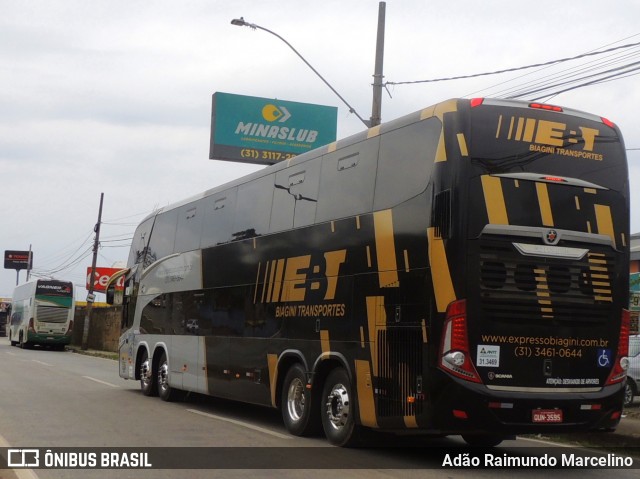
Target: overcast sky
<point>114,96</point>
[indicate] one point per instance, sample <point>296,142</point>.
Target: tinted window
<point>253,209</point>
<point>347,181</point>
<point>507,140</point>
<point>219,210</point>
<point>295,196</point>
<point>406,159</point>
<point>139,243</point>
<point>163,236</point>
<point>189,226</point>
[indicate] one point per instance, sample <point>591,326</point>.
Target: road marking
<point>41,362</point>
<point>101,382</point>
<point>20,473</point>
<point>241,423</point>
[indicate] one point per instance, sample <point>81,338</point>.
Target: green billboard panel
<point>263,130</point>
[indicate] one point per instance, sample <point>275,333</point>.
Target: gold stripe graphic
<point>545,204</point>
<point>376,314</point>
<point>366,405</point>
<point>324,340</point>
<point>440,275</point>
<point>604,221</point>
<point>463,144</point>
<point>385,249</point>
<point>272,362</point>
<point>494,200</point>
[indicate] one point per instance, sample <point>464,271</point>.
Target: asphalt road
<point>52,399</point>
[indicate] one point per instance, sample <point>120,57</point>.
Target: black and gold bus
<point>462,270</point>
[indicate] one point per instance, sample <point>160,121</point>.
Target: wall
<point>104,329</point>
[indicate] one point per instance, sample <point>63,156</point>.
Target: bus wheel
<point>23,343</point>
<point>299,411</point>
<point>338,416</point>
<point>629,392</point>
<point>165,391</point>
<point>13,343</point>
<point>148,384</point>
<point>483,440</point>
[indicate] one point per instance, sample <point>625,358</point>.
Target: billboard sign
<point>262,130</point>
<point>101,279</point>
<point>17,259</point>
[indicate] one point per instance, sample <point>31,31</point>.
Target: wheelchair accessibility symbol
<point>604,358</point>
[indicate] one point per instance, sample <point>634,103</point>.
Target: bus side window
<point>347,181</point>
<point>253,208</point>
<point>405,163</point>
<point>218,218</point>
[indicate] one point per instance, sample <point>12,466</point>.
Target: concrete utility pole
<point>90,296</point>
<point>376,106</point>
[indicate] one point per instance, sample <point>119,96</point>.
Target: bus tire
<point>165,391</point>
<point>148,383</point>
<point>630,390</point>
<point>23,343</point>
<point>338,409</point>
<point>482,440</point>
<point>13,343</point>
<point>298,406</point>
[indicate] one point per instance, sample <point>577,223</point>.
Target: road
<point>53,399</point>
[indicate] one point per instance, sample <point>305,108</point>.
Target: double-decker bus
<point>462,270</point>
<point>42,313</point>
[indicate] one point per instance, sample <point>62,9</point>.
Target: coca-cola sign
<point>101,279</point>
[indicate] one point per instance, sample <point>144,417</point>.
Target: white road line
<point>41,362</point>
<point>20,473</point>
<point>101,382</point>
<point>241,423</point>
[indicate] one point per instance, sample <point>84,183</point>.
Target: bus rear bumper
<point>472,410</point>
<point>37,338</point>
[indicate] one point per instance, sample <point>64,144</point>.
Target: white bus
<point>42,313</point>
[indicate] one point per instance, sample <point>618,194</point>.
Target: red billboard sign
<point>101,278</point>
<point>18,259</point>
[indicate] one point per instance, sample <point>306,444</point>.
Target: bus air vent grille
<point>399,371</point>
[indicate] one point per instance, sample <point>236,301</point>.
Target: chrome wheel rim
<point>296,400</point>
<point>628,394</point>
<point>338,406</point>
<point>145,373</point>
<point>163,376</point>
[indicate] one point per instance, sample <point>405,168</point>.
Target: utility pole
<point>90,295</point>
<point>376,107</point>
<point>28,264</point>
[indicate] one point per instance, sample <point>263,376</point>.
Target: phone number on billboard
<point>527,352</point>
<point>265,155</point>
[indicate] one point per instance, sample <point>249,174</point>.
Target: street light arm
<point>242,23</point>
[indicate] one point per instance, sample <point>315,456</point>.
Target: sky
<point>114,96</point>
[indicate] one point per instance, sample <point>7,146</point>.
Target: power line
<point>508,70</point>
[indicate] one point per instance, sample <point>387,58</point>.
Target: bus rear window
<point>508,140</point>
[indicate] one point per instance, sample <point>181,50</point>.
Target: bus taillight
<point>31,327</point>
<point>619,371</point>
<point>455,357</point>
<point>476,102</point>
<point>607,122</point>
<point>544,106</point>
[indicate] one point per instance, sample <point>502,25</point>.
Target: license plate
<point>546,415</point>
